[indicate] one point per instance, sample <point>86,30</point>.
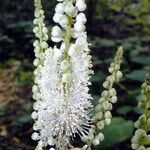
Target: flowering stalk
<point>141,139</point>
<point>62,78</point>
<point>108,97</point>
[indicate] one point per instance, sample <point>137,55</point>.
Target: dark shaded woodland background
<point>110,23</point>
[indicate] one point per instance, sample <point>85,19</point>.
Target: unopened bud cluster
<point>108,96</point>
<point>141,139</point>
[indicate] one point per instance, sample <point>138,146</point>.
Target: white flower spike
<point>61,110</point>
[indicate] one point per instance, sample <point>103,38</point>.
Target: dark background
<point>111,23</point>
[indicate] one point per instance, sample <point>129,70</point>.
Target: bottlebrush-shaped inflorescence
<point>62,76</point>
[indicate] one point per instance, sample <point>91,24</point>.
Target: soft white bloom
<point>57,17</point>
<point>79,27</point>
<point>69,9</point>
<point>80,4</point>
<point>63,21</point>
<point>56,32</point>
<point>62,79</point>
<point>59,8</point>
<point>81,18</point>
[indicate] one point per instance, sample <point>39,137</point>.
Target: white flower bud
<point>108,115</point>
<point>110,78</point>
<point>35,43</point>
<point>80,4</point>
<point>35,136</point>
<point>63,21</point>
<point>101,100</point>
<point>37,96</point>
<point>74,13</point>
<point>34,115</point>
<point>108,121</point>
<point>134,146</point>
<point>65,65</point>
<point>56,32</point>
<point>101,136</point>
<point>104,93</point>
<point>52,149</point>
<point>113,99</point>
<point>35,29</point>
<point>44,45</point>
<point>36,62</point>
<point>57,17</point>
<point>35,88</point>
<point>62,47</point>
<point>35,21</point>
<point>117,67</point>
<point>85,147</point>
<point>44,30</point>
<point>55,39</point>
<point>81,18</point>
<point>112,92</point>
<point>96,141</point>
<point>79,27</point>
<point>98,107</point>
<point>36,105</point>
<point>66,77</point>
<point>100,125</point>
<point>106,84</point>
<point>51,141</point>
<point>119,74</point>
<point>69,9</point>
<point>59,8</point>
<point>111,69</point>
<point>37,49</point>
<point>72,50</point>
<point>57,53</point>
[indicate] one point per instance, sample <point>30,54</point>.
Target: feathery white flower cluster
<point>108,96</point>
<point>62,78</point>
<point>141,139</point>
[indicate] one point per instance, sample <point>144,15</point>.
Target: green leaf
<point>103,43</point>
<point>125,110</point>
<point>22,120</point>
<point>2,111</point>
<point>137,75</point>
<point>98,77</point>
<point>138,110</point>
<point>27,106</point>
<point>144,60</point>
<point>119,131</point>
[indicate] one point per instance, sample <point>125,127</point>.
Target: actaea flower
<point>61,88</point>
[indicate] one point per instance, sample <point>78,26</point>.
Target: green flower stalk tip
<point>141,139</point>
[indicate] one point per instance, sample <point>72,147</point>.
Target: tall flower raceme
<point>62,74</point>
<point>141,139</point>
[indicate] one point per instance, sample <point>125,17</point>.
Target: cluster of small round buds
<point>141,139</point>
<point>108,96</point>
